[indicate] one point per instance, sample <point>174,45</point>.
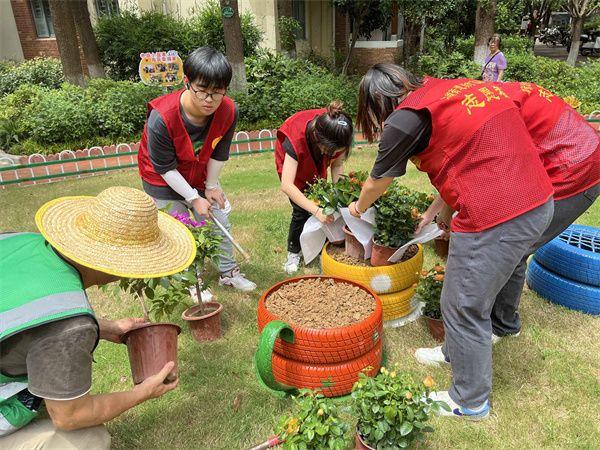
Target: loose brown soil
<point>320,303</point>
<point>337,253</point>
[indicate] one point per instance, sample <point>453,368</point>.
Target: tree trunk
<point>422,37</point>
<point>576,28</point>
<point>234,46</point>
<point>355,24</point>
<point>66,39</point>
<point>83,24</point>
<point>412,31</point>
<point>484,28</point>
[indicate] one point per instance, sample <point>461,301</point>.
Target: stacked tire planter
<point>291,357</point>
<point>394,284</point>
<point>566,270</point>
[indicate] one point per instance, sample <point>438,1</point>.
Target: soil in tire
<point>337,253</point>
<point>320,303</point>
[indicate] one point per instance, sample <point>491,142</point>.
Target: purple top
<point>492,66</point>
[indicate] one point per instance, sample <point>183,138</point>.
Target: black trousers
<point>299,218</point>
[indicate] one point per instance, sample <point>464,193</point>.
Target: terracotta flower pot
<point>360,444</point>
<point>436,328</point>
<point>380,254</point>
<point>441,247</point>
<point>206,327</point>
<point>150,347</point>
<point>353,246</point>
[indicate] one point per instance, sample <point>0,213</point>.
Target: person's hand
<point>424,220</point>
<point>353,210</point>
<point>159,384</point>
<point>323,218</point>
<point>215,195</point>
<point>201,206</point>
<point>443,219</point>
<point>113,330</point>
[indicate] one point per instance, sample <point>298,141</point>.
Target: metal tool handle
<point>228,235</point>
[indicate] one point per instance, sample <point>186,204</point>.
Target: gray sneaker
<point>236,280</point>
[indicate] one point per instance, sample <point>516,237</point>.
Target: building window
<point>42,18</point>
<point>107,7</point>
<point>299,13</point>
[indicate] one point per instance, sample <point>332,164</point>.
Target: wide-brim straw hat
<point>119,232</point>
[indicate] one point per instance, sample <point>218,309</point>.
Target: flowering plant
<point>429,290</point>
<point>331,196</point>
<point>392,408</point>
<point>314,425</point>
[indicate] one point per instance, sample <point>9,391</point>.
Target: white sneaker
<point>293,263</point>
<point>431,356</point>
<point>206,295</point>
<point>480,413</point>
<point>236,280</point>
<point>496,339</point>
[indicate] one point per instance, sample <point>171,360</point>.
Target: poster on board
<point>161,68</point>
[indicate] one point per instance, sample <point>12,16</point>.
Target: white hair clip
<point>342,122</point>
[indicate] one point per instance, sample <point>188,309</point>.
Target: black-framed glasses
<point>203,95</point>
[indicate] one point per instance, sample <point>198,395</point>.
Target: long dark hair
<point>332,130</point>
<point>381,90</point>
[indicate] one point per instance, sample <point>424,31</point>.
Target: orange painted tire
<point>381,279</point>
<point>398,304</point>
<point>332,379</point>
<point>327,345</point>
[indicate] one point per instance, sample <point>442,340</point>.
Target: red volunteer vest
<point>294,128</point>
<point>192,167</point>
<point>568,146</point>
<point>480,157</point>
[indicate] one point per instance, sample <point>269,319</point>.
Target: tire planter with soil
<point>150,346</point>
<point>394,284</point>
<point>291,356</point>
<point>206,327</point>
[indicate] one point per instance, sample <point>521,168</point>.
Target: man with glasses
<point>185,145</point>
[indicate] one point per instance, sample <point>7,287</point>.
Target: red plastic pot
<point>380,254</point>
<point>436,328</point>
<point>206,327</point>
<point>441,247</point>
<point>150,347</point>
<point>353,246</point>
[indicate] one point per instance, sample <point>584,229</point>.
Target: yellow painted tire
<point>398,304</point>
<point>381,279</point>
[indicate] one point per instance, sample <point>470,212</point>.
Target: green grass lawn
<point>546,382</point>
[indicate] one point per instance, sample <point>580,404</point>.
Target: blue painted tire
<point>574,254</point>
<point>562,291</point>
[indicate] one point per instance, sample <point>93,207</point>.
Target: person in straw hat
<point>48,329</point>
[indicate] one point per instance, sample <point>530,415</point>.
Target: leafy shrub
<point>315,424</point>
<point>123,37</point>
<point>288,28</point>
<point>510,44</point>
<point>393,408</point>
<point>45,72</point>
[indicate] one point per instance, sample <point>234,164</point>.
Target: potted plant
<point>314,425</point>
<point>397,214</point>
<point>204,319</point>
<point>392,409</point>
<point>430,291</point>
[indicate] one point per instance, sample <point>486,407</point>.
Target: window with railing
<point>107,7</point>
<point>299,13</point>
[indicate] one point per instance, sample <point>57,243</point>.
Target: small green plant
<point>315,424</point>
<point>429,290</point>
<point>171,294</point>
<point>392,408</point>
<point>331,196</point>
